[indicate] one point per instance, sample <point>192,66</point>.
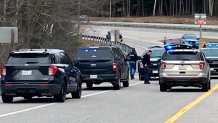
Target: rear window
<point>28,58</point>
<point>210,52</point>
<point>93,53</point>
<point>183,56</point>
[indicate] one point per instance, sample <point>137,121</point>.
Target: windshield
<point>28,58</point>
<point>210,52</point>
<point>93,53</point>
<point>181,56</point>
<point>189,37</point>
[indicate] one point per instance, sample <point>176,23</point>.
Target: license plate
<point>154,64</point>
<point>93,76</point>
<point>155,71</point>
<point>26,72</point>
<point>182,67</point>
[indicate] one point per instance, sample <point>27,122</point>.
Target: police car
<point>190,39</point>
<point>183,66</point>
<point>212,45</point>
<point>211,55</point>
<point>157,53</point>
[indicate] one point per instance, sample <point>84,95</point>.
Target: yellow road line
<point>191,105</point>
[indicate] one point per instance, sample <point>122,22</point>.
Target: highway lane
<point>138,103</point>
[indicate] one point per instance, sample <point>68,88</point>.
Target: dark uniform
<point>132,58</point>
<point>146,63</point>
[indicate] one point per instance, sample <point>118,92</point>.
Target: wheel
<point>77,94</point>
<point>117,84</point>
<point>126,83</point>
<point>7,99</point>
<point>28,97</point>
<point>62,94</point>
<point>89,84</point>
<point>163,87</point>
<point>140,77</point>
<point>206,87</point>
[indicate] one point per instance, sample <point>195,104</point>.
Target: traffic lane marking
<point>50,104</point>
<point>191,105</point>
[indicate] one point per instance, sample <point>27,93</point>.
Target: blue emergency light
<point>212,45</point>
<point>177,46</point>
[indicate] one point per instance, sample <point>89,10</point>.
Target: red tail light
<point>52,70</point>
<point>114,66</point>
<point>3,71</point>
<point>201,65</point>
<point>163,65</point>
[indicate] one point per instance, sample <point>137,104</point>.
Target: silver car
<point>184,67</point>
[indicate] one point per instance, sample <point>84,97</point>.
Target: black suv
<point>157,53</point>
<point>103,64</point>
<point>39,72</point>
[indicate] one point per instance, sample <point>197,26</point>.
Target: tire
<point>62,94</point>
<point>117,84</point>
<point>89,84</point>
<point>77,94</point>
<point>126,83</point>
<point>28,97</point>
<point>163,88</point>
<point>7,99</point>
<point>206,87</point>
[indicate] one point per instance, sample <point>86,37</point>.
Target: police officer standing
<point>132,58</point>
<point>146,63</point>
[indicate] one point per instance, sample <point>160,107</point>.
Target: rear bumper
<point>153,72</point>
<point>183,81</point>
<point>42,89</point>
<point>99,78</point>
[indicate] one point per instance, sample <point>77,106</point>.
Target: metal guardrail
<point>124,47</point>
<point>155,26</point>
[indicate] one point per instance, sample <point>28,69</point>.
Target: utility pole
<point>110,10</point>
<point>78,20</point>
<point>154,7</point>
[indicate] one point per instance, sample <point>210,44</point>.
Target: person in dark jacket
<point>132,58</point>
<point>146,63</point>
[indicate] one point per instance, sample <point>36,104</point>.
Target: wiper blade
<point>32,62</point>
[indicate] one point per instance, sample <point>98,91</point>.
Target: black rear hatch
<point>95,60</point>
<point>27,67</point>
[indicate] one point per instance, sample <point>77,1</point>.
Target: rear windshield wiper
<point>32,62</point>
<point>185,59</point>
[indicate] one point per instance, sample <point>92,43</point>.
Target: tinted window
<point>210,52</point>
<point>189,37</point>
<point>117,52</point>
<point>186,56</point>
<point>93,53</point>
<point>29,58</point>
<point>157,53</point>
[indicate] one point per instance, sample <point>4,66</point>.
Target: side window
<point>67,58</point>
<point>53,59</point>
<point>115,52</point>
<point>120,53</point>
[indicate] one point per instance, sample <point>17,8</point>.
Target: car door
<point>123,63</point>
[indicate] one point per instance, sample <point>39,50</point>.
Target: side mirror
<point>159,60</point>
<point>75,63</point>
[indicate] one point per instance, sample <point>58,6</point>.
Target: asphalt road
<point>139,103</point>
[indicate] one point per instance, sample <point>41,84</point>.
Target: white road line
<point>50,104</point>
<point>25,110</point>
